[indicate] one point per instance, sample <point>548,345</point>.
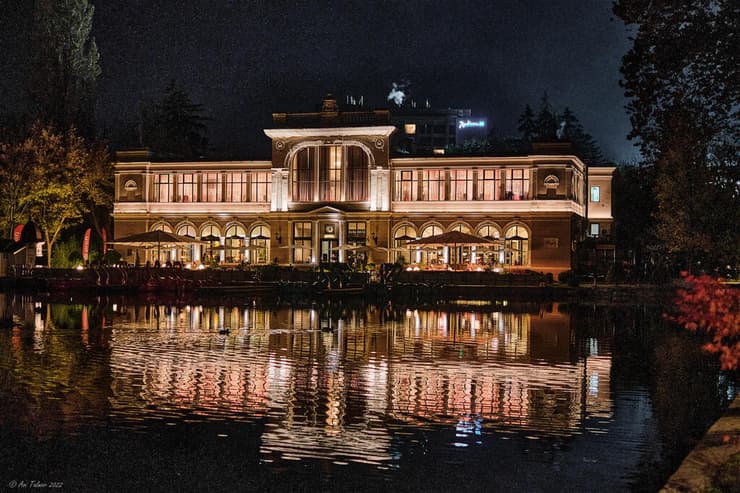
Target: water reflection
<point>337,382</point>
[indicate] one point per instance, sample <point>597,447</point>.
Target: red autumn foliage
<point>711,307</point>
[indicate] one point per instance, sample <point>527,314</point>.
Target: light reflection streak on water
<point>330,394</point>
<point>343,393</point>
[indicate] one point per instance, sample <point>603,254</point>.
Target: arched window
<point>234,243</point>
<point>401,237</point>
<point>461,227</point>
<point>162,226</point>
<point>329,173</point>
<point>210,233</point>
<point>436,255</point>
<point>258,248</point>
<point>516,246</point>
<point>186,253</point>
<point>494,254</point>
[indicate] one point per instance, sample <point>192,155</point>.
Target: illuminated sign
<point>471,123</point>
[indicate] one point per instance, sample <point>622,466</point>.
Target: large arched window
<point>434,255</point>
<point>516,245</point>
<point>401,237</point>
<point>186,253</point>
<point>329,173</point>
<point>258,248</point>
<point>211,234</point>
<point>234,243</point>
<point>494,254</point>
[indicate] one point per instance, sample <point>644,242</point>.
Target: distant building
<point>333,189</point>
<point>424,130</point>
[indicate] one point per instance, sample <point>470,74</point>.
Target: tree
<point>62,184</point>
<point>175,126</point>
<point>65,64</point>
<point>634,206</point>
<point>526,124</point>
<point>586,147</point>
<point>708,306</point>
<point>681,77</point>
<point>14,181</point>
<point>546,123</point>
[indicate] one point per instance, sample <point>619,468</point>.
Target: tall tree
<point>546,123</point>
<point>175,126</point>
<point>527,127</point>
<point>63,186</point>
<point>681,77</point>
<point>15,177</point>
<point>65,64</point>
<point>586,147</point>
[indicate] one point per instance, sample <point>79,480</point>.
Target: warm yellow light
<point>439,152</point>
<point>410,128</point>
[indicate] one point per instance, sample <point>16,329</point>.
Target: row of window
<point>247,186</point>
<point>461,184</point>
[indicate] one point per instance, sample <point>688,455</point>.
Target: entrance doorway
<point>327,254</point>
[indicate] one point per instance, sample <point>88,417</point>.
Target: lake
<point>115,393</point>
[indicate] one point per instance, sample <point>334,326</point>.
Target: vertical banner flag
<point>86,245</point>
<point>105,240</point>
<point>18,232</point>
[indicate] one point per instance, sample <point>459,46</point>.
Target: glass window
<point>162,188</point>
<point>356,233</point>
<point>236,187</point>
<point>517,184</point>
<point>357,174</point>
<point>432,184</point>
<point>516,246</point>
<point>405,188</point>
<point>489,184</point>
<point>303,175</point>
<point>258,248</point>
<point>187,184</point>
<point>261,186</point>
<point>401,237</point>
<point>595,194</point>
<point>461,184</point>
<point>594,229</point>
<point>329,173</point>
<point>302,240</point>
<point>185,253</point>
<point>234,243</point>
<point>211,187</point>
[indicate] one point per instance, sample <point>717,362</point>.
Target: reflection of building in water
<point>332,393</point>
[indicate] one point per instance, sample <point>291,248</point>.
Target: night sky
<point>244,59</point>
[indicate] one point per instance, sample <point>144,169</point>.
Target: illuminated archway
<point>516,245</point>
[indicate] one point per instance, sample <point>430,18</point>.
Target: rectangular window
<point>517,184</point>
<point>211,187</point>
<point>595,194</point>
<point>432,184</point>
<point>303,175</point>
<point>187,184</point>
<point>489,184</point>
<point>356,233</point>
<point>405,189</point>
<point>357,171</point>
<point>302,240</point>
<point>330,173</point>
<point>594,229</point>
<point>236,187</point>
<point>162,188</point>
<point>260,186</point>
<point>461,184</point>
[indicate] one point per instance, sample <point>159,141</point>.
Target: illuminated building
<point>333,188</point>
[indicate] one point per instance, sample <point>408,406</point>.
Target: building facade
<point>333,192</point>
